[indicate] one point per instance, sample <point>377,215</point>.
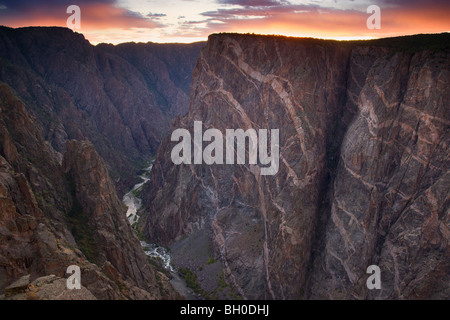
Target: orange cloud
<point>333,23</point>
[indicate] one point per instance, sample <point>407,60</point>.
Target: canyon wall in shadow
<point>364,169</point>
<point>121,98</point>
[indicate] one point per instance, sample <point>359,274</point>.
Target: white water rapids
<point>134,203</point>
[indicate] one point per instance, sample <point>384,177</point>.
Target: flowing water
<point>131,200</point>
<point>154,251</point>
<point>134,203</point>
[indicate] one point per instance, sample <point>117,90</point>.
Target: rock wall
<point>121,98</point>
<point>364,167</point>
<point>52,217</point>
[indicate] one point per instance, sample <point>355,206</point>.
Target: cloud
<point>251,3</point>
<point>97,14</point>
<point>105,20</point>
<point>258,11</point>
<point>397,18</point>
<point>414,3</point>
<point>156,15</point>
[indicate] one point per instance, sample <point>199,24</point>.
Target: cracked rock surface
<point>364,168</point>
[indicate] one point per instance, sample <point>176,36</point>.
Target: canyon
<point>77,123</point>
<point>121,98</point>
<point>363,175</point>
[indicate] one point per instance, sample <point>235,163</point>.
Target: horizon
<point>189,21</point>
<point>230,33</point>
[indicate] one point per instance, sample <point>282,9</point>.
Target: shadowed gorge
<point>59,205</point>
<point>363,176</point>
<point>121,98</point>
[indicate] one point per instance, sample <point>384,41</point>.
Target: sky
<point>117,21</point>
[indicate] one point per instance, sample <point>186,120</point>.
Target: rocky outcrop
<point>363,177</point>
<point>45,288</point>
<point>121,98</point>
<point>99,223</point>
<point>52,218</point>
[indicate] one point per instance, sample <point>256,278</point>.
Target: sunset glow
<point>117,21</point>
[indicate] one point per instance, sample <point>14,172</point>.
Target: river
<point>133,202</point>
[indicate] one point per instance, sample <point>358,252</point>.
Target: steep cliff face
<point>363,177</point>
<point>390,202</point>
<point>165,68</point>
<point>99,224</point>
<point>53,217</point>
<point>120,98</point>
